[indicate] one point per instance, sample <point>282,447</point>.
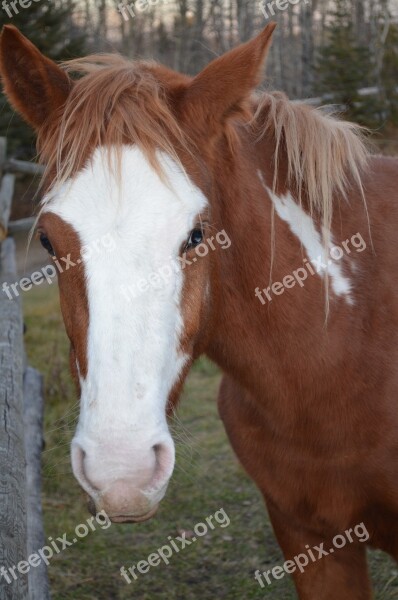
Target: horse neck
<point>241,207</point>
<point>267,348</point>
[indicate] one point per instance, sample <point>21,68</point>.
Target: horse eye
<point>195,238</point>
<point>45,242</point>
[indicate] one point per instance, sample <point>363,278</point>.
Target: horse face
<point>135,316</point>
<point>133,294</point>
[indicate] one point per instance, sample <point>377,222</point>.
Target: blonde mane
<point>324,154</point>
<point>324,157</point>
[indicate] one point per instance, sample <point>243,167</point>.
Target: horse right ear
<point>219,91</point>
<point>34,84</point>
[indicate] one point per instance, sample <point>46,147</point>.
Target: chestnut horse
<point>300,312</point>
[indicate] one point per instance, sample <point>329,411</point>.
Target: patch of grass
<point>207,478</point>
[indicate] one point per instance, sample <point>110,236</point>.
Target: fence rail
<point>21,416</point>
<point>21,166</point>
<point>327,98</point>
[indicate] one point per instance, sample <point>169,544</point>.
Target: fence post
<point>21,421</point>
<point>12,446</point>
<point>7,183</point>
<point>33,419</point>
<point>3,153</point>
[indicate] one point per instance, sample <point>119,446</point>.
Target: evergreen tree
<point>389,75</point>
<point>343,66</point>
<point>49,25</point>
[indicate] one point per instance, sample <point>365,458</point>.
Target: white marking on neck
<point>303,227</point>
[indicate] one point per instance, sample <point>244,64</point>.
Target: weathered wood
<point>8,260</point>
<point>22,166</point>
<point>33,418</point>
<point>3,153</point>
<point>21,419</point>
<point>6,194</point>
<point>21,225</point>
<point>12,446</point>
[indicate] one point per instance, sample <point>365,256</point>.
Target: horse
<point>299,310</point>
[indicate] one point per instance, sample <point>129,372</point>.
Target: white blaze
<point>133,342</point>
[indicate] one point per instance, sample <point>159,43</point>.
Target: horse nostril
<point>157,448</point>
<point>91,506</point>
<point>78,456</point>
<point>159,451</point>
<point>164,455</point>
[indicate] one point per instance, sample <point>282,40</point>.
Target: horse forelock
<point>113,102</point>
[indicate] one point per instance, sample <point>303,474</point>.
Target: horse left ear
<point>33,83</point>
<point>219,91</point>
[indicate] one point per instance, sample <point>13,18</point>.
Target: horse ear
<point>34,84</point>
<point>219,91</point>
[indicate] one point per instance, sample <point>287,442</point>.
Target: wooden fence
<point>21,421</point>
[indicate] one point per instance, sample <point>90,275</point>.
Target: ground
<point>207,478</point>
